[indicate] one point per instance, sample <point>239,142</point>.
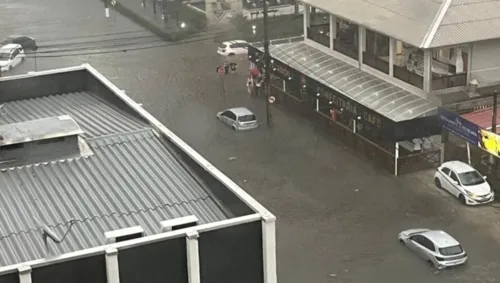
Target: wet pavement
<point>338,214</point>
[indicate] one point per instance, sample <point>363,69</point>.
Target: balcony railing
<point>347,49</point>
<point>319,34</point>
<point>375,62</point>
<point>403,74</point>
<point>442,82</point>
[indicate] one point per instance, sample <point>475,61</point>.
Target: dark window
<point>225,114</point>
<point>247,118</point>
<point>454,177</point>
<point>453,250</point>
<point>428,243</point>
<point>14,54</point>
<point>446,170</point>
<point>231,115</point>
<point>233,45</point>
<point>48,141</point>
<point>12,146</point>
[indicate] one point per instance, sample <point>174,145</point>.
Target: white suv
<point>233,47</point>
<point>10,56</point>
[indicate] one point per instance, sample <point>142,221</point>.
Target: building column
<point>459,61</point>
<point>392,55</point>
<point>427,71</point>
<point>24,274</point>
<point>307,18</point>
<point>193,257</point>
<point>112,266</point>
<point>269,248</point>
<point>333,30</point>
<point>361,44</point>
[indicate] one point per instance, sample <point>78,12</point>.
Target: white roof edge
<point>429,36</point>
<point>232,186</point>
<point>42,73</point>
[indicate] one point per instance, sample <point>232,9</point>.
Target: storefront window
<point>319,29</point>
<point>376,51</point>
<point>346,39</point>
<point>449,67</point>
<point>409,64</point>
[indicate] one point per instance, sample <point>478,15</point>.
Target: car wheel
<point>234,128</point>
<point>461,198</point>
<point>10,68</point>
<point>438,183</point>
<point>230,54</point>
<point>402,242</point>
<point>431,264</point>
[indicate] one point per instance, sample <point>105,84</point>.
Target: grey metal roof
<point>40,129</point>
<point>406,20</point>
<point>92,114</point>
<point>468,21</point>
<point>381,96</point>
<point>422,23</point>
<point>133,178</point>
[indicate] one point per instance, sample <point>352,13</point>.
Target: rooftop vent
<point>178,223</point>
<point>126,234</point>
<point>40,140</point>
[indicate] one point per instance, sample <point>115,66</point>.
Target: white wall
<point>485,65</point>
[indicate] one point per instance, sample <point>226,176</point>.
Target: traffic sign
<point>272,99</point>
<point>221,71</point>
<point>113,2</point>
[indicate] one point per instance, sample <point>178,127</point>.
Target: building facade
<point>95,189</point>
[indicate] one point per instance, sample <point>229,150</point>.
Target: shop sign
<point>489,141</point>
<point>459,125</point>
<point>350,106</point>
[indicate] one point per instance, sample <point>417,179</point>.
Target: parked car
<point>10,56</point>
<point>233,47</point>
<point>436,247</point>
<point>240,118</point>
<point>28,43</point>
<point>464,182</point>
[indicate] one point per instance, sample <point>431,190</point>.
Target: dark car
<point>25,41</point>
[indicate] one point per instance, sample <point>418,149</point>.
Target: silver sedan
<point>436,247</point>
<point>239,118</point>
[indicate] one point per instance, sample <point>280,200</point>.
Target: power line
<point>125,50</point>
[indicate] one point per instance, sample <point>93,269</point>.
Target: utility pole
<point>267,66</point>
<point>494,124</point>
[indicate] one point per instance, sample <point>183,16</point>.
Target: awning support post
<point>284,86</point>
<point>468,152</point>
<point>396,157</point>
<point>354,125</point>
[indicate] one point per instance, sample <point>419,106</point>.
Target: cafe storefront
<point>401,134</point>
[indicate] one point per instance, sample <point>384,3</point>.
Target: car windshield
<point>471,178</point>
<point>247,118</point>
<point>222,45</point>
<point>6,41</point>
<point>453,250</point>
<point>4,56</point>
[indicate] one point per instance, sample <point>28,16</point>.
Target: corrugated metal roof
<point>95,116</point>
<point>406,20</point>
<point>132,179</point>
<point>468,21</point>
<point>381,96</point>
<point>422,23</point>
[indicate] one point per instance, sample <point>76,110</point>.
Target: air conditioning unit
<point>126,234</point>
<point>178,223</point>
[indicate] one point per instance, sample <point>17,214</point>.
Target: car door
<point>415,244</point>
<point>231,118</point>
<point>15,58</point>
<point>455,185</point>
<point>238,48</point>
<point>445,178</point>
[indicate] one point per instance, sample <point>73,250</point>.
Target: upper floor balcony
<point>447,67</point>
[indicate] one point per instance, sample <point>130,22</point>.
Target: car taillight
<point>439,258</point>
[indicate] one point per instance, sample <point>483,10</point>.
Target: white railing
<point>279,41</point>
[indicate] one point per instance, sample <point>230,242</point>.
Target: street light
<point>183,25</point>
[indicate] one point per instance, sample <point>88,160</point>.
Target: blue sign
<point>459,125</point>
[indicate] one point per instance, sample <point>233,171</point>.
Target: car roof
<point>9,47</point>
<point>440,238</point>
<point>458,166</point>
<point>241,111</point>
<point>234,41</point>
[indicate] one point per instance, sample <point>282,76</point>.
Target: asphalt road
<point>338,214</point>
